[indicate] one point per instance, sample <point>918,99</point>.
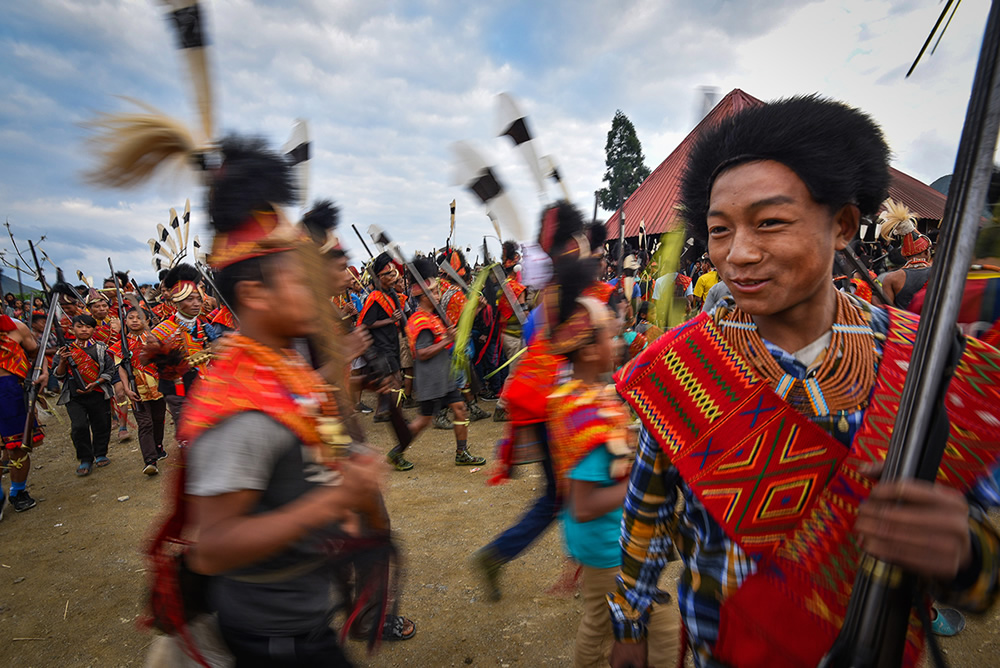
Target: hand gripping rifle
<point>31,383</point>
<point>127,362</point>
<point>875,627</point>
<point>63,288</point>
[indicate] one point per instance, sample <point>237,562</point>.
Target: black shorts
<point>432,406</point>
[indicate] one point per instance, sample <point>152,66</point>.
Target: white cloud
<point>389,85</point>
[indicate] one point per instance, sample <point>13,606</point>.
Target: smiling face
<point>772,243</point>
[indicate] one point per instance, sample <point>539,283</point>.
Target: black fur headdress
<point>425,267</point>
<point>180,273</point>
<point>320,222</point>
<point>838,152</point>
<point>560,222</point>
<point>252,178</point>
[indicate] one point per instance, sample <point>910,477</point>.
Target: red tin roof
<point>655,201</point>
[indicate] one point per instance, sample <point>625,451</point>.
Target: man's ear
<point>253,296</point>
<point>847,222</point>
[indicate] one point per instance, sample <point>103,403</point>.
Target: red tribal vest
<point>786,491</point>
<point>418,322</point>
<point>13,359</point>
<point>146,378</point>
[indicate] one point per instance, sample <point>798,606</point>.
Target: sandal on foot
<point>466,458</point>
<point>83,469</point>
<point>102,461</point>
<point>395,628</point>
<point>948,622</point>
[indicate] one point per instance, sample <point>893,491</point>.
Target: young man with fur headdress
<point>107,331</point>
<point>272,488</point>
<point>794,387</point>
<point>179,346</point>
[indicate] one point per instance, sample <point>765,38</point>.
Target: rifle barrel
<point>874,630</point>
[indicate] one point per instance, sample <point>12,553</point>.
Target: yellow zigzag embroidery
<point>691,386</point>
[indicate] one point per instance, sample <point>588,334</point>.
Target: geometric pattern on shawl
<point>784,489</point>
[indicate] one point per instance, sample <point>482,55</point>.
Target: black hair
<point>319,220</point>
<point>573,276</point>
<point>838,151</point>
<point>182,272</point>
<point>425,267</point>
<point>252,178</point>
<point>252,269</point>
<point>446,254</point>
<point>380,262</point>
<point>553,234</point>
<point>597,234</point>
<point>85,319</point>
<point>163,274</point>
<point>643,311</point>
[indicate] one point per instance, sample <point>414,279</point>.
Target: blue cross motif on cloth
<point>706,453</point>
<point>757,411</point>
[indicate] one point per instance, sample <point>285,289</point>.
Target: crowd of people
<point>648,430</point>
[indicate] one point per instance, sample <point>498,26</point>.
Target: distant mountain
<point>8,283</point>
<point>942,184</point>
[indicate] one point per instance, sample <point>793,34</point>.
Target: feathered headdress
<point>896,219</point>
<point>169,247</point>
<point>180,282</point>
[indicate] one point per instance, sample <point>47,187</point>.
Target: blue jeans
<point>533,523</point>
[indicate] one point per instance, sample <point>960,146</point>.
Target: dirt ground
<point>72,578</point>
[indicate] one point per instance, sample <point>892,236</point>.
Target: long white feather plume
<point>472,171</point>
<point>513,123</point>
<point>186,222</point>
<point>163,234</point>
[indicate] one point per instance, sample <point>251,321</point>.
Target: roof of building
<point>656,200</point>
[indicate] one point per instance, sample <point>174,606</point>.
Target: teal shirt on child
<point>594,543</point>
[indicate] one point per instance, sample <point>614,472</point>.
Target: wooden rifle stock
<point>874,630</point>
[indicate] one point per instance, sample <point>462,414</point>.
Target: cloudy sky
<point>387,86</point>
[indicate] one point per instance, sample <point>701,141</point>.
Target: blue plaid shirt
<point>715,565</point>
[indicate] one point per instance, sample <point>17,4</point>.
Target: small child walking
<point>591,455</point>
<point>148,404</point>
<point>86,369</point>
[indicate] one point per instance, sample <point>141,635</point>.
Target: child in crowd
<point>86,369</point>
<point>148,404</point>
<point>592,456</point>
